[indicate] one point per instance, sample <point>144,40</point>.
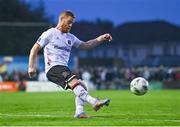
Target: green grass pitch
<point>158,108</point>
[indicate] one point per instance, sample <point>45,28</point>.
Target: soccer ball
<point>139,86</point>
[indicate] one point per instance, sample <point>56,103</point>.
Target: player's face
<point>66,24</point>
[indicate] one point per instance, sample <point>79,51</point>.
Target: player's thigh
<point>60,75</point>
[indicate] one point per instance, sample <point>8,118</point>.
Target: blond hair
<point>66,13</point>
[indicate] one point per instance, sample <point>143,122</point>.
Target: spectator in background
<point>86,76</point>
<point>103,77</point>
<point>1,79</point>
<point>3,67</point>
<point>177,74</point>
<point>162,73</point>
<point>146,73</point>
<point>128,74</point>
<point>3,71</point>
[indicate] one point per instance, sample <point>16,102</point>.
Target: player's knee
<point>75,82</point>
<point>83,84</point>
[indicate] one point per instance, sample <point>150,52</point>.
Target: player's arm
<point>95,42</point>
<point>32,59</point>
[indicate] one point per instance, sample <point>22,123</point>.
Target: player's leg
<point>60,75</point>
<point>79,113</point>
<point>78,88</point>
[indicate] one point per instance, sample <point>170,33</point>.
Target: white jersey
<point>57,47</point>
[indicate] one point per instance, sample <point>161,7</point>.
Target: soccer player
<point>57,43</point>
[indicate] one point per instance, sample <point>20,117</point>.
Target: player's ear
<point>61,18</point>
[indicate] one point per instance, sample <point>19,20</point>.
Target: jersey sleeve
<point>44,38</point>
<point>77,42</point>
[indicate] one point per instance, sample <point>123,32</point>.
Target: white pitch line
<point>166,120</point>
<point>29,115</point>
<point>45,115</point>
<point>150,114</point>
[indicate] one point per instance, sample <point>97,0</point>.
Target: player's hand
<point>31,72</point>
<point>105,37</point>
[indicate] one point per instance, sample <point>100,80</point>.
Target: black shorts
<point>60,75</point>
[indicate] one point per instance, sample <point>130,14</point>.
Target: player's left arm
<point>95,42</point>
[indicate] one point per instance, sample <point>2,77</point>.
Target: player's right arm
<point>32,59</point>
<point>41,42</point>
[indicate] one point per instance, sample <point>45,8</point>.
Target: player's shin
<point>83,94</point>
<point>79,105</point>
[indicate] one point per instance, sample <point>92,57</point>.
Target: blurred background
<point>146,42</point>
